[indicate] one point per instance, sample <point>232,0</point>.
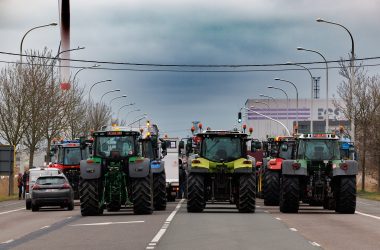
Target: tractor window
<point>286,150</point>
<point>72,155</point>
<point>147,149</point>
<point>221,149</point>
<point>122,145</point>
<point>319,150</point>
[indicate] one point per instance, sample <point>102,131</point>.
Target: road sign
<point>7,158</point>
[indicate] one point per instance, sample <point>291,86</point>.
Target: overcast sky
<point>196,32</point>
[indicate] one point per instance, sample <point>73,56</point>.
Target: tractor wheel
<point>247,193</point>
<point>346,195</point>
<point>289,194</point>
<point>271,188</point>
<point>90,191</point>
<point>159,191</point>
<point>196,193</point>
<point>142,195</point>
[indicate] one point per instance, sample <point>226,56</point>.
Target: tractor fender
<point>89,171</point>
<point>157,167</point>
<point>139,168</point>
<point>287,168</point>
<point>352,168</point>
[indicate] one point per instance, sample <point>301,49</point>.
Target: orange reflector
<point>196,162</point>
<point>90,161</point>
<point>272,162</point>
<point>247,162</point>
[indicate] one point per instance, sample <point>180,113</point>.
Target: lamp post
<point>111,91</point>
<point>287,102</point>
<point>267,105</point>
<point>312,96</point>
<point>327,84</point>
<point>352,61</point>
<point>37,27</point>
<point>274,100</point>
<point>118,112</point>
<point>123,96</point>
<point>282,80</point>
<point>89,93</point>
<point>57,56</point>
<point>136,110</point>
<point>95,66</point>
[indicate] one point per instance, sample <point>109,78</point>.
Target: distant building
<point>263,127</point>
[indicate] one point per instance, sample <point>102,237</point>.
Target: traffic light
<point>147,123</point>
<point>239,117</point>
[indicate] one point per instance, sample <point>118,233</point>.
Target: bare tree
<point>361,102</point>
<point>99,115</point>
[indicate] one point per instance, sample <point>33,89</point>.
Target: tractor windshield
<point>72,155</point>
<point>286,150</point>
<point>221,149</point>
<point>109,146</point>
<point>318,150</point>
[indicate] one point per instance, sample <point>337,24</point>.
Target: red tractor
<point>66,156</point>
<point>277,149</point>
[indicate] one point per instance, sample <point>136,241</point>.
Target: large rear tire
<point>271,188</point>
<point>90,191</point>
<point>346,195</point>
<point>159,191</point>
<point>195,193</point>
<point>142,195</point>
<point>247,193</point>
<point>289,194</point>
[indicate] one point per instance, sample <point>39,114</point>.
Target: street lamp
<point>352,82</point>
<point>89,93</point>
<point>94,66</point>
<point>130,104</point>
<point>274,100</point>
<point>287,102</point>
<point>312,97</point>
<point>37,27</point>
<point>136,110</point>
<point>282,80</point>
<point>327,84</point>
<point>111,91</point>
<point>267,105</point>
<point>56,57</point>
<point>123,96</point>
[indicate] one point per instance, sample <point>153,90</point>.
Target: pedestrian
<point>25,179</point>
<point>20,185</point>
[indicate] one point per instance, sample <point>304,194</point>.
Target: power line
<point>190,65</point>
<point>192,71</point>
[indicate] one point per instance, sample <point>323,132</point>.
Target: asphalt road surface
<point>220,226</point>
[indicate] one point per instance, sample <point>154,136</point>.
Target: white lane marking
<point>44,227</point>
<point>266,211</point>
<point>293,229</point>
<point>368,215</point>
<point>11,211</point>
<point>8,241</point>
<point>277,218</point>
<point>69,217</point>
<point>313,243</point>
<point>364,203</point>
<point>258,206</point>
<point>108,223</point>
<point>152,244</point>
<point>149,247</point>
<point>162,231</point>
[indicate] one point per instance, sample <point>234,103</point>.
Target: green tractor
<point>318,176</point>
<point>222,171</point>
<point>116,175</point>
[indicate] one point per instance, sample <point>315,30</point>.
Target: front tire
<point>271,188</point>
<point>90,191</point>
<point>196,193</point>
<point>159,191</point>
<point>346,195</point>
<point>247,193</point>
<point>289,194</point>
<point>142,195</point>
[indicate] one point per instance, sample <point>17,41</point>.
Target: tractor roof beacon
<point>319,176</point>
<point>222,171</point>
<point>116,175</point>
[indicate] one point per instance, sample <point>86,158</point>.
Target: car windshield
<point>123,145</point>
<point>221,149</point>
<point>318,150</point>
<point>50,180</point>
<point>72,155</point>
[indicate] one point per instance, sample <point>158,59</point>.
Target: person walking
<point>25,179</point>
<point>20,185</point>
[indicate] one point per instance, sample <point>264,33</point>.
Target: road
<point>218,227</point>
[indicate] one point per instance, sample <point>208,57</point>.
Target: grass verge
<point>369,195</point>
<point>8,198</point>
